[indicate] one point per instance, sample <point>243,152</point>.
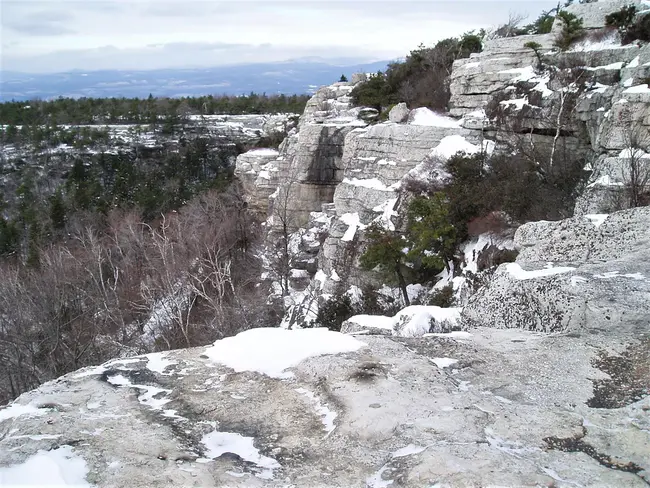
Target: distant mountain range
<point>291,77</point>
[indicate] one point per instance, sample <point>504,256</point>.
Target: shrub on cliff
<point>421,80</point>
<point>571,32</point>
<point>543,24</point>
<point>630,26</point>
<point>335,311</point>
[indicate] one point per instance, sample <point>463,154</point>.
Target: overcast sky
<point>61,35</point>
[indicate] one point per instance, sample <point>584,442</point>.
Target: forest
<point>142,110</point>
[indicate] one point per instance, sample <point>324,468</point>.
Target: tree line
<point>142,110</point>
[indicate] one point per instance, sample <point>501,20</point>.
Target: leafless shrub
<point>511,28</point>
<point>636,165</point>
<point>184,280</point>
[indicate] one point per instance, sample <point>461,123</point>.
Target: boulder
<point>399,113</point>
<point>588,273</point>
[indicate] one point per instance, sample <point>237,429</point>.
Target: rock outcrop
<point>490,407</point>
<point>586,274</point>
<point>309,160</point>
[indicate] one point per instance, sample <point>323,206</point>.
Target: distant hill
<point>299,76</point>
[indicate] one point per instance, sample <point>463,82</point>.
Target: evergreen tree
<point>386,252</point>
<point>57,210</point>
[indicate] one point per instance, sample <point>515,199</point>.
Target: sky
<point>63,35</point>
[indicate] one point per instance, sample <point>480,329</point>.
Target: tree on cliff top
<point>422,79</point>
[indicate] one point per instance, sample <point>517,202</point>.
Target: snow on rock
<point>444,362</point>
<point>424,116</point>
<point>638,89</point>
<point>523,74</point>
<point>610,42</point>
<point>58,467</point>
<point>604,180</point>
<point>373,183</point>
<point>518,103</point>
<point>354,223</point>
<point>378,480</point>
<point>16,410</point>
<point>152,396</point>
<point>412,321</point>
<point>264,152</point>
<point>219,443</point>
<point>451,145</point>
<point>158,363</point>
<point>387,212</point>
<point>521,274</point>
<point>270,351</point>
<point>633,153</point>
<point>327,416</point>
<point>596,219</point>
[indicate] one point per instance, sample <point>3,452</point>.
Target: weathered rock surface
<point>581,274</point>
<point>399,113</point>
<point>258,174</point>
<point>497,407</point>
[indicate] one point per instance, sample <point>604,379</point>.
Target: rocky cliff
<point>506,98</point>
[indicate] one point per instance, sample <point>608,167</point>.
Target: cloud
<point>172,33</point>
<point>177,55</point>
<point>41,23</point>
<point>40,29</point>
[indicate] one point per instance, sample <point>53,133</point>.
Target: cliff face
<point>356,170</point>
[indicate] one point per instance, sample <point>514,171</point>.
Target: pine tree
<point>57,210</point>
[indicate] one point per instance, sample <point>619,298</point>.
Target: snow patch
<point>387,213</point>
<point>270,351</point>
<point>604,180</point>
<point>451,145</point>
<point>372,183</point>
<point>327,415</point>
<point>443,362</point>
<point>16,410</point>
<point>518,103</point>
<point>58,467</point>
<point>638,89</point>
<point>523,74</point>
<point>597,219</point>
<point>611,42</point>
<point>521,274</point>
<point>158,363</point>
<point>424,116</point>
<point>264,152</point>
<point>412,321</point>
<point>148,398</point>
<point>354,223</point>
<point>219,443</point>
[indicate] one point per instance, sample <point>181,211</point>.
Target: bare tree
<point>284,222</point>
<point>636,164</point>
<point>511,28</point>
